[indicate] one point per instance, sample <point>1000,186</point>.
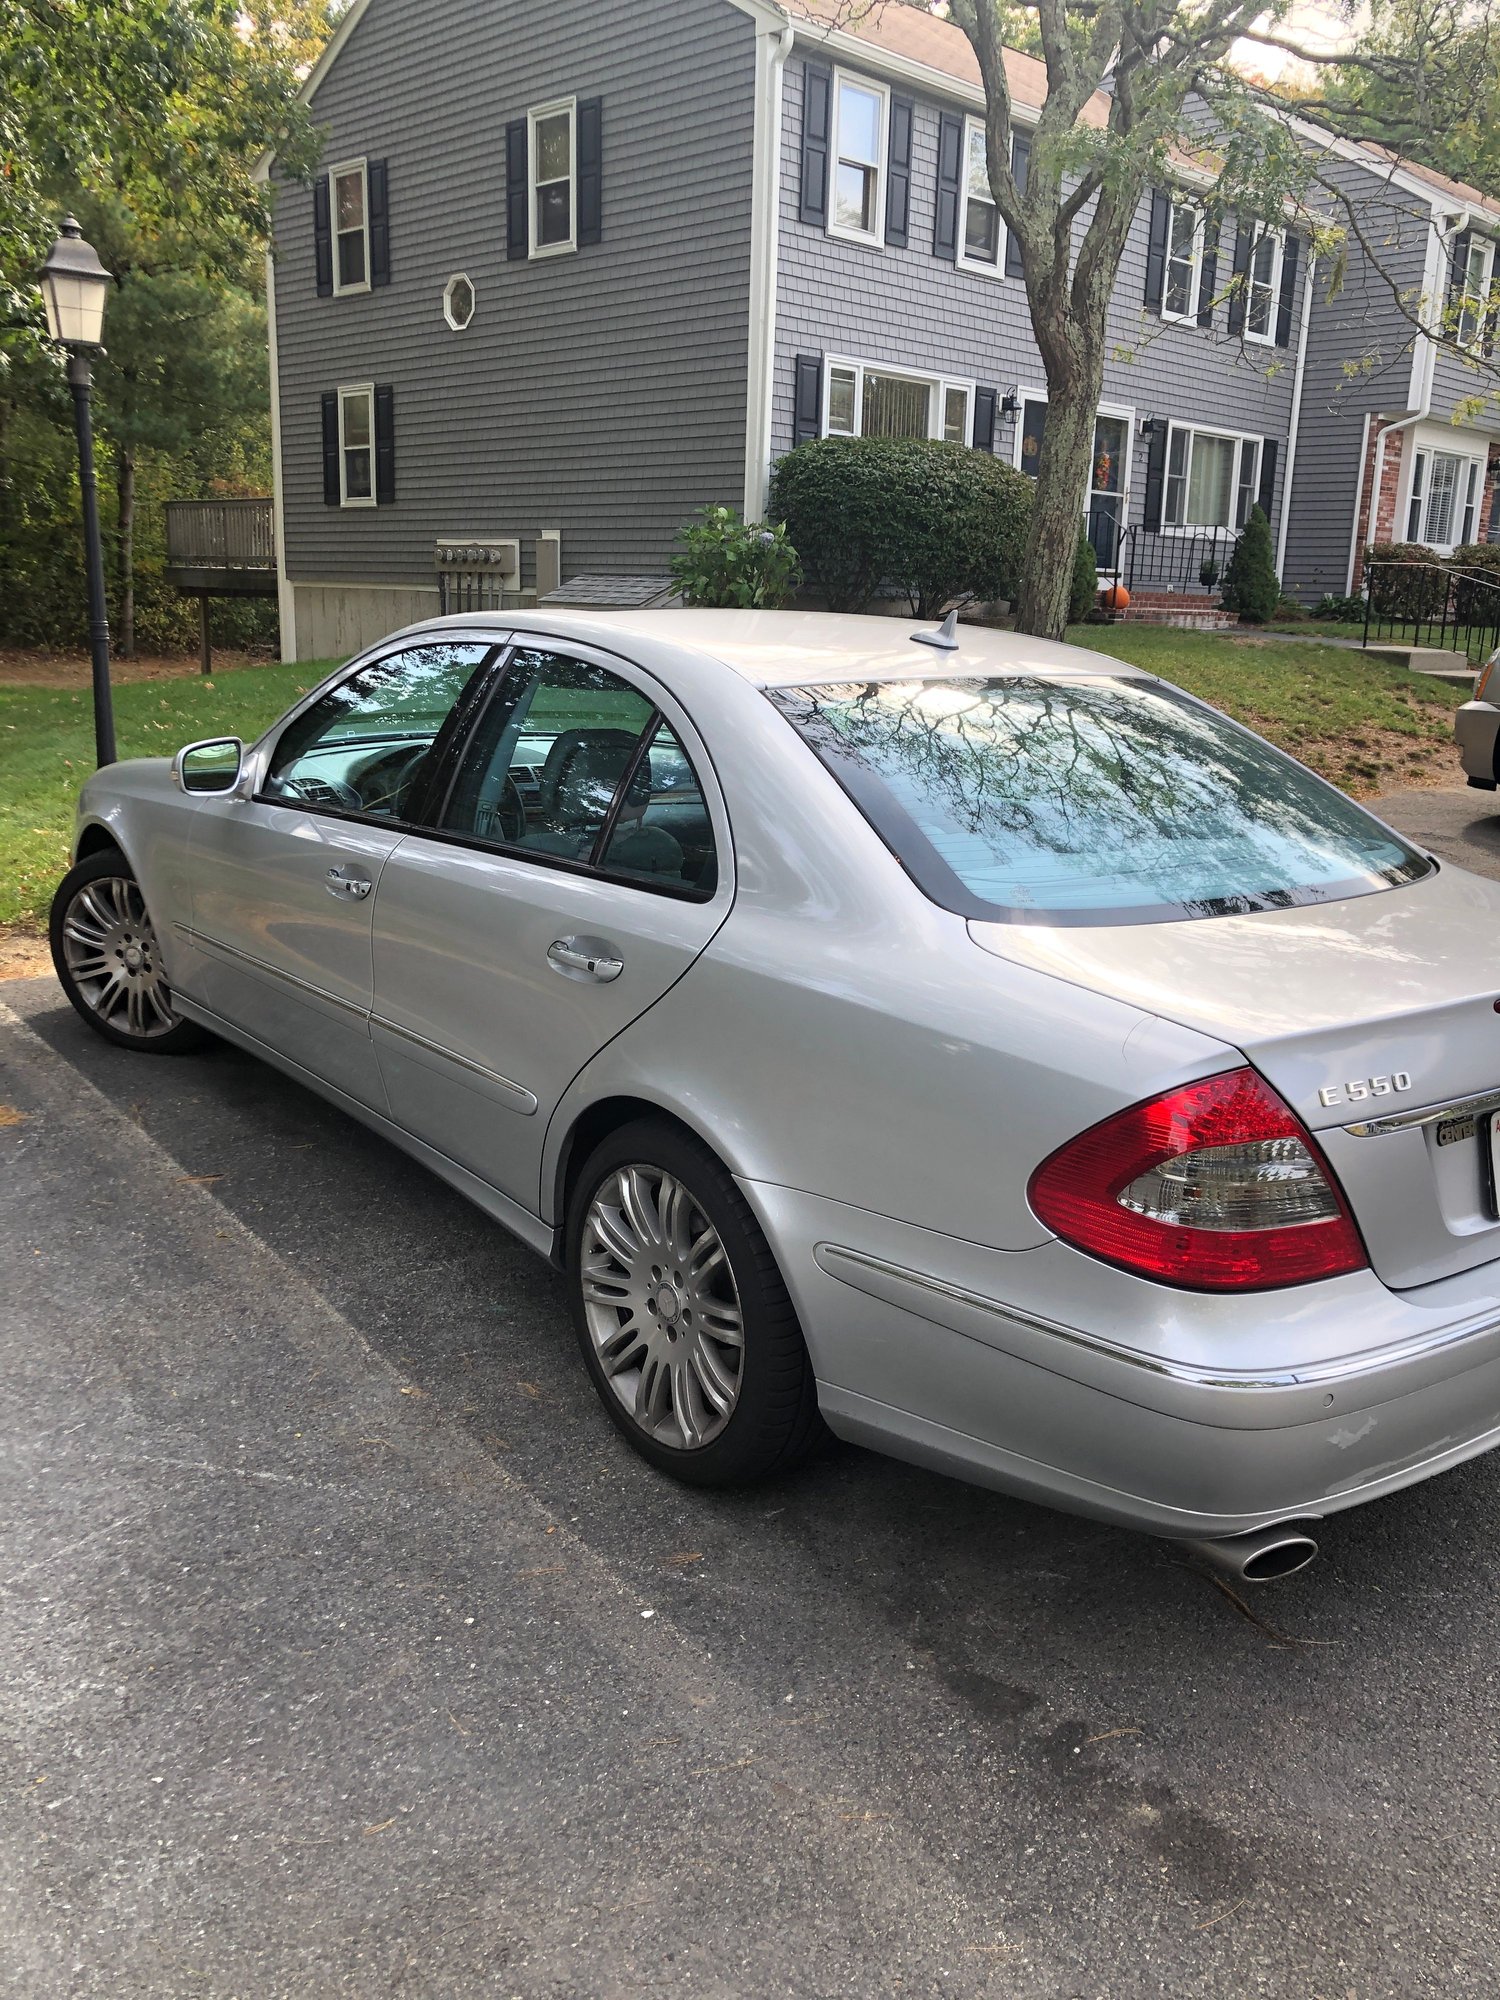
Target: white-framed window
<point>1479,270</point>
<point>349,190</point>
<point>552,175</point>
<point>867,399</point>
<point>1108,502</point>
<point>861,112</point>
<point>459,301</point>
<point>1179,292</point>
<point>1443,497</point>
<point>357,445</point>
<point>981,233</point>
<point>1212,478</point>
<point>1263,283</point>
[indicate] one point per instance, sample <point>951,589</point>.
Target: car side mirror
<point>214,765</point>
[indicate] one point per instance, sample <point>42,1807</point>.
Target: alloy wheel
<point>662,1307</point>
<point>111,952</point>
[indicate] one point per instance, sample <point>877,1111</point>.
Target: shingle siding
<point>908,308</point>
<point>602,393</point>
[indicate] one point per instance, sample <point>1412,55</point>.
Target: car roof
<point>789,648</point>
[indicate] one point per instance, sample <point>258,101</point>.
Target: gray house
<point>597,267</point>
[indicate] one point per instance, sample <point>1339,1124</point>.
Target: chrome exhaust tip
<point>1259,1557</point>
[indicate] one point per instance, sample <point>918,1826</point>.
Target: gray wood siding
<point>909,308</point>
<point>602,393</point>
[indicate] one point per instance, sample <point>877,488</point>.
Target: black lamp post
<point>75,286</point>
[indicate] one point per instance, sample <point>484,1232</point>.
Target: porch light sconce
<point>1153,427</point>
<point>1010,404</point>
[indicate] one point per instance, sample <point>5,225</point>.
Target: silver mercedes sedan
<point>967,1043</point>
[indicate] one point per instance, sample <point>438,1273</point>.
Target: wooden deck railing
<point>220,535</point>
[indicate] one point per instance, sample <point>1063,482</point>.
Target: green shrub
<point>749,566</point>
<point>1417,589</point>
<point>1478,595</point>
<point>930,520</point>
<point>1289,612</point>
<point>1345,610</point>
<point>1083,601</point>
<point>1251,585</point>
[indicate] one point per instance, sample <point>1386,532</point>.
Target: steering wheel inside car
<point>510,813</point>
<point>313,791</point>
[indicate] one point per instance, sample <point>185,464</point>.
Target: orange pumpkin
<point>1115,598</point>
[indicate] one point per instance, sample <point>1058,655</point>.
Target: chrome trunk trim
<point>1405,1121</point>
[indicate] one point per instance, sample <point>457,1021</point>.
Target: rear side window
<point>1106,800</point>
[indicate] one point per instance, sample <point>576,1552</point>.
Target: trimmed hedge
<point>930,520</point>
<point>1407,594</point>
<point>1479,601</point>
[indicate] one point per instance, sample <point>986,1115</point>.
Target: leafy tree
<point>1251,585</point>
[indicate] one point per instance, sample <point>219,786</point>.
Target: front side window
<point>357,446</point>
<point>1184,257</point>
<point>1442,507</point>
<point>1100,800</point>
<point>1263,284</point>
<point>364,747</point>
<point>554,174</point>
<point>859,148</point>
<point>1211,480</point>
<point>351,228</point>
<point>980,235</point>
<point>571,763</point>
<point>870,401</point>
<point>1477,273</point>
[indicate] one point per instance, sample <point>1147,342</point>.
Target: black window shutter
<point>950,163</point>
<point>1020,166</point>
<point>1458,265</point>
<point>385,447</point>
<point>1290,257</point>
<point>1208,270</point>
<point>1156,248</point>
<point>1156,473</point>
<point>517,226</point>
<point>898,173</point>
<point>332,495</point>
<point>817,126</point>
<point>1269,452</point>
<point>807,400</point>
<point>590,170</point>
<point>323,236</point>
<point>984,419</point>
<point>1237,299</point>
<point>380,223</point>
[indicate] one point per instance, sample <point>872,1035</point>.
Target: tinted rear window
<point>1106,800</point>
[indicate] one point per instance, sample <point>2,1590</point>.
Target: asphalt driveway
<point>345,1650</point>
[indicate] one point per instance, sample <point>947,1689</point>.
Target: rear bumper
<point>918,1357</point>
<point>1476,726</point>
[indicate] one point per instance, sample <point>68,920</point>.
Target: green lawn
<point>47,750</point>
<point>1367,726</point>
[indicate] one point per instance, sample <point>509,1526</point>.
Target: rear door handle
<point>344,882</point>
<point>570,957</point>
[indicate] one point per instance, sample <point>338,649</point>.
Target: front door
<point>283,879</point>
<point>1104,512</point>
<point>577,869</point>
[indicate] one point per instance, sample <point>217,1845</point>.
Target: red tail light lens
<point>1216,1187</point>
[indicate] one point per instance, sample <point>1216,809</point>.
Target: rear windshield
<point>1099,800</point>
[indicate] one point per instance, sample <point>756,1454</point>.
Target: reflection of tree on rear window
<point>1102,799</point>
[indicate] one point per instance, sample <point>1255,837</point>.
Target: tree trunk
<point>125,547</point>
<point>1057,504</point>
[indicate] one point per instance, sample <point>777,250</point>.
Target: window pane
<point>352,259</point>
<point>979,178</point>
<point>859,124</point>
<point>545,763</point>
<point>554,209</point>
<point>1179,297</point>
<point>1245,496</point>
<point>357,474</point>
<point>363,746</point>
<point>1210,478</point>
<point>351,201</point>
<point>357,419</point>
<point>1442,490</point>
<point>1184,231</point>
<point>841,402</point>
<point>981,230</point>
<point>662,832</point>
<point>956,415</point>
<point>1106,799</point>
<point>1033,427</point>
<point>1109,455</point>
<point>895,408</point>
<point>554,147</point>
<point>854,198</point>
<point>1263,259</point>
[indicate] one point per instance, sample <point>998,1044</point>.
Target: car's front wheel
<point>685,1324</point>
<point>108,958</point>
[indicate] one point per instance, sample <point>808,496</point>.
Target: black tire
<point>774,1421</point>
<point>116,911</point>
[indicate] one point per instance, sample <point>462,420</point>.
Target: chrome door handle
<point>341,883</point>
<point>568,957</point>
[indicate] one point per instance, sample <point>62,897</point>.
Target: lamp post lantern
<point>75,286</point>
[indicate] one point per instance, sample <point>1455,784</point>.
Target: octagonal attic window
<point>458,302</point>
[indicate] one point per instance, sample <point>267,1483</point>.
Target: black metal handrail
<point>221,534</point>
<point>1429,604</point>
<point>1191,562</point>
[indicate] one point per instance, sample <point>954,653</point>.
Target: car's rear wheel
<point>682,1316</point>
<point>108,958</point>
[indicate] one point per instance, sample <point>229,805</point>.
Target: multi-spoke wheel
<point>683,1319</point>
<point>108,958</point>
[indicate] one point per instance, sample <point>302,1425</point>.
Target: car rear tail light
<point>1216,1187</point>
